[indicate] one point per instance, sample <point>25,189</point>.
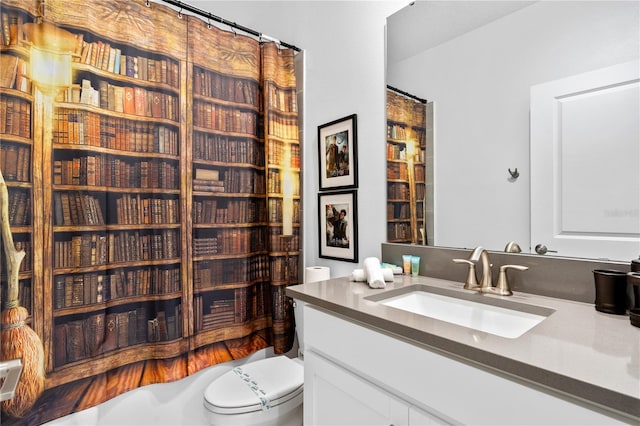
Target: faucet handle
<point>502,286</point>
<point>472,280</point>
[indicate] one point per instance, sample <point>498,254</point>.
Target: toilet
<point>263,392</point>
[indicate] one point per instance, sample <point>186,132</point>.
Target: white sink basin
<point>489,318</point>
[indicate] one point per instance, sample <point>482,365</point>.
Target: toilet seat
<point>256,386</point>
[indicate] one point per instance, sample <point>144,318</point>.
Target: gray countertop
<point>576,352</point>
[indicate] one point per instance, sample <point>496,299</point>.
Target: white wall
<point>343,43</point>
<point>480,85</point>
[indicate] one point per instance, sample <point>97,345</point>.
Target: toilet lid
<point>255,386</point>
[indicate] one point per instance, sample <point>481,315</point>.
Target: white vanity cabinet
<point>359,375</point>
<point>420,417</point>
<point>336,394</point>
<point>339,397</point>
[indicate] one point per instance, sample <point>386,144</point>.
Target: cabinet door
<point>335,396</point>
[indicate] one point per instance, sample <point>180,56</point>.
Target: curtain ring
<point>147,3</point>
<point>180,13</point>
<point>232,26</point>
<point>209,23</point>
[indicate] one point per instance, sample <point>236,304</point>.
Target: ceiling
<point>424,24</point>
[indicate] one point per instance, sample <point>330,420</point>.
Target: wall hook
<point>514,174</point>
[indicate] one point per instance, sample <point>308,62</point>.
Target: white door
<point>585,164</point>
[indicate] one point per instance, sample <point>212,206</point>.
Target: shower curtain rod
<point>409,95</point>
<point>211,17</point>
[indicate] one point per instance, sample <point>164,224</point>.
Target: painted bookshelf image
<point>229,307</point>
<point>16,150</point>
<point>120,328</point>
<point>149,208</point>
<point>116,267</point>
<point>282,134</point>
<point>230,211</point>
<point>283,182</point>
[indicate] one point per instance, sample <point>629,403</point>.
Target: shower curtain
<point>159,194</point>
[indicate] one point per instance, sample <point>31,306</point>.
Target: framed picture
<point>337,143</point>
<point>338,225</point>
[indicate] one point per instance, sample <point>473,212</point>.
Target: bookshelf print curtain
<point>157,198</point>
<point>283,183</point>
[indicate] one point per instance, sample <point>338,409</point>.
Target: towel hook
<point>514,174</point>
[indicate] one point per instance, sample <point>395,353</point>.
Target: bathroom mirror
<point>477,61</point>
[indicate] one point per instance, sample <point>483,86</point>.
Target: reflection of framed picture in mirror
<point>337,142</point>
<point>338,225</point>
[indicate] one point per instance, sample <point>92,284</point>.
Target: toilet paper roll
<point>316,273</point>
<point>358,275</point>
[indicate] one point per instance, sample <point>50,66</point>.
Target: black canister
<point>635,283</point>
<point>611,291</point>
<point>633,279</point>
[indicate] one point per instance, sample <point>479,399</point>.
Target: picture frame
<point>338,225</point>
<point>338,154</point>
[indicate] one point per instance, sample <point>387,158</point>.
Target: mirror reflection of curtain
<point>407,154</point>
<point>160,250</point>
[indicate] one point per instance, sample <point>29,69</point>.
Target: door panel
<point>585,164</point>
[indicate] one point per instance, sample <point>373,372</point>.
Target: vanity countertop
<point>577,351</point>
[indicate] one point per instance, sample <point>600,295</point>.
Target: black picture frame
<point>338,153</point>
<point>330,207</point>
